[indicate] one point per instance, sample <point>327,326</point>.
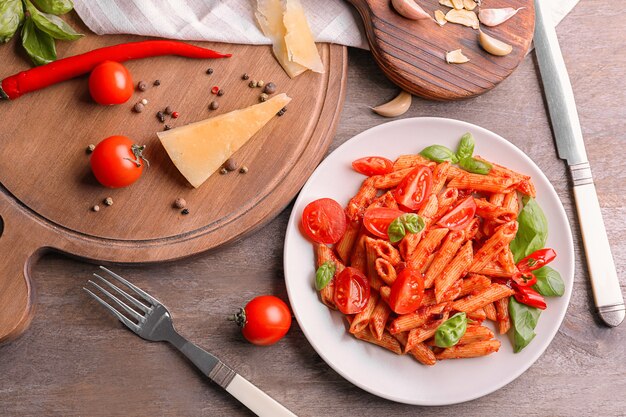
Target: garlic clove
<point>492,45</point>
<point>410,9</point>
<point>456,57</point>
<point>440,18</point>
<point>396,107</point>
<point>463,17</point>
<point>493,17</point>
<point>457,4</point>
<point>469,4</point>
<point>446,3</point>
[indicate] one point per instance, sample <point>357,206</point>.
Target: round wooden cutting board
<point>413,53</point>
<point>47,189</point>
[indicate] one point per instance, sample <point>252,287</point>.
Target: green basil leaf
<point>324,275</point>
<point>549,282</point>
<point>412,222</point>
<point>523,322</point>
<point>11,16</point>
<point>438,153</point>
<point>51,24</point>
<point>54,6</point>
<point>451,331</point>
<point>475,166</point>
<point>532,232</point>
<point>466,147</point>
<point>396,230</point>
<point>39,45</point>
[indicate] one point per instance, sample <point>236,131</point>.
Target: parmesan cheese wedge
<point>299,39</point>
<point>199,149</point>
<point>269,14</point>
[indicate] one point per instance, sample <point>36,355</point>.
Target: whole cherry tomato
<point>264,320</point>
<point>407,291</point>
<point>460,216</point>
<point>110,83</point>
<point>324,221</point>
<point>378,219</point>
<point>415,188</point>
<point>373,165</point>
<point>117,162</point>
<point>352,291</point>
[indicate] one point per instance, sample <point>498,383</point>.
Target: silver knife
<point>571,147</point>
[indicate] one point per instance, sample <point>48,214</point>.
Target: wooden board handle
<point>18,249</point>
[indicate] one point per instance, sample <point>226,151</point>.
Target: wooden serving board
<point>413,53</point>
<point>47,189</point>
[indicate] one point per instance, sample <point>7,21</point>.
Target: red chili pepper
<point>530,297</point>
<point>524,278</point>
<point>67,68</point>
<point>536,260</point>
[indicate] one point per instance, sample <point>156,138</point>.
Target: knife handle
<point>604,282</point>
<point>256,400</point>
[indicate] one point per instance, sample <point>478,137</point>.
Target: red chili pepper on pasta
<point>64,69</point>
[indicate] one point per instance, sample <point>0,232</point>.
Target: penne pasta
<point>506,259</point>
<point>362,199</point>
<point>494,213</point>
<point>495,270</point>
<point>445,201</point>
<point>362,320</point>
<point>511,202</point>
<point>440,176</point>
<point>485,183</point>
<point>502,315</point>
<point>411,161</point>
<point>371,255</point>
<point>324,254</point>
<point>423,354</point>
<point>489,251</point>
<point>481,298</point>
<point>385,250</point>
<point>385,292</point>
<point>346,243</point>
<point>474,333</point>
<point>358,259</point>
<point>427,245</point>
<point>429,209</point>
<point>382,182</point>
<point>385,271</point>
<point>490,312</point>
<point>420,334</point>
<point>496,199</point>
<point>385,200</point>
<point>478,315</point>
<point>378,319</point>
<point>471,350</point>
<point>453,292</point>
<point>473,283</point>
<point>410,321</point>
<point>444,255</point>
<point>409,243</point>
<point>453,271</point>
<point>387,341</point>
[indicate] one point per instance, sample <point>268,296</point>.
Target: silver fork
<point>154,323</point>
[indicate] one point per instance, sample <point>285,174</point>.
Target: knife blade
<point>571,147</point>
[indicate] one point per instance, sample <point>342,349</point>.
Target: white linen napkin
<point>230,21</point>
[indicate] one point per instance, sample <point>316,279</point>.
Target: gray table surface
<point>74,361</point>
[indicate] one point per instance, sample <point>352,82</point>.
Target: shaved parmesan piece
<point>299,39</point>
<point>199,149</point>
<point>269,14</point>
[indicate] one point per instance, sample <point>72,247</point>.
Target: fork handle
<point>256,400</point>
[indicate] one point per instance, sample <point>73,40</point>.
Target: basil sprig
<point>532,231</point>
<point>409,222</point>
<point>51,24</point>
<point>463,155</point>
<point>451,331</point>
<point>40,26</point>
<point>55,7</point>
<point>11,17</point>
<point>523,320</point>
<point>324,274</point>
<point>549,282</point>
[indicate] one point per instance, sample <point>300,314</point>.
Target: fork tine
<point>133,287</point>
<point>119,315</point>
<point>117,301</point>
<point>124,294</point>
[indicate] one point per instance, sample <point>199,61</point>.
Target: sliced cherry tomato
<point>378,219</point>
<point>524,278</point>
<point>264,320</point>
<point>110,83</point>
<point>352,291</point>
<point>460,216</point>
<point>373,165</point>
<point>528,296</point>
<point>537,259</point>
<point>415,188</point>
<point>117,162</point>
<point>407,291</point>
<point>324,221</point>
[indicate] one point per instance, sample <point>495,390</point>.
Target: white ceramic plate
<point>401,378</point>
